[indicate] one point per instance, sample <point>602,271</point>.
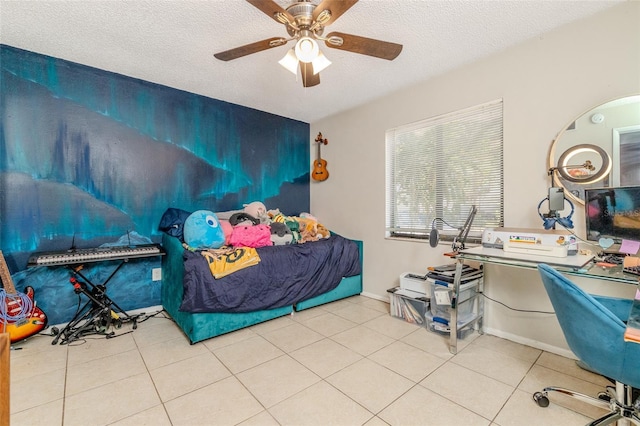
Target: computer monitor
<point>613,213</point>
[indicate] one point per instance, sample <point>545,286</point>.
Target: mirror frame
<point>602,176</point>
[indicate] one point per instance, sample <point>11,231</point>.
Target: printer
<point>552,242</point>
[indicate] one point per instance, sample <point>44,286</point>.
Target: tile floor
<point>344,363</point>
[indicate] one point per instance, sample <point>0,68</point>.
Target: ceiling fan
<point>305,23</point>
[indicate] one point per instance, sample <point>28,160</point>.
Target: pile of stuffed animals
<point>253,226</point>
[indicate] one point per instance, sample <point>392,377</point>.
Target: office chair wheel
<point>541,399</point>
<point>604,396</point>
<point>54,331</point>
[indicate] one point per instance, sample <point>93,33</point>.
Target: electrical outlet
<point>156,274</point>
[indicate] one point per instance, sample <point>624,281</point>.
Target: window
<point>440,167</point>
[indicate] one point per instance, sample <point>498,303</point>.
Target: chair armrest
<point>618,307</point>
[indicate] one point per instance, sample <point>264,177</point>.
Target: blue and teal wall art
<point>88,156</point>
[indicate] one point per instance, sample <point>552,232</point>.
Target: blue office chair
<point>593,327</point>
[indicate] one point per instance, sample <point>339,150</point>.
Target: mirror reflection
<point>612,128</point>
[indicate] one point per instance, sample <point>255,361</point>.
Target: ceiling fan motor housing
<point>303,15</point>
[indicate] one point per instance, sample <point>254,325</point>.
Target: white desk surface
<point>575,262</point>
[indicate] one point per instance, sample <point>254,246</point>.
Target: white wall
<point>545,83</point>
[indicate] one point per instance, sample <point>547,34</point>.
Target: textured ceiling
<point>173,42</point>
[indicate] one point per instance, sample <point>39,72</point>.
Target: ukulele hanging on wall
<point>320,172</point>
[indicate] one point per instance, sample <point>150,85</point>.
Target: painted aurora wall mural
<point>88,156</point>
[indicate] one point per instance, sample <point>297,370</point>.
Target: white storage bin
<point>411,309</point>
<point>441,295</point>
<point>441,325</point>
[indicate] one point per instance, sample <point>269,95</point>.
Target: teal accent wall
<point>88,156</point>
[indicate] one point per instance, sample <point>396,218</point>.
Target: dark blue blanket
<point>285,276</point>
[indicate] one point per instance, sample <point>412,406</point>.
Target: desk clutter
<point>427,300</point>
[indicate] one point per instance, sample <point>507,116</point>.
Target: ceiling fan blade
<point>248,49</point>
<point>365,46</point>
<point>271,9</point>
<point>337,8</point>
<point>308,78</point>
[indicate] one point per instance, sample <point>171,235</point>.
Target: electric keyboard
<point>99,254</point>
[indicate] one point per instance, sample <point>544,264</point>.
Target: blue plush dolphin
<point>202,230</point>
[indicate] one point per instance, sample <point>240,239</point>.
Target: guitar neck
<point>7,282</point>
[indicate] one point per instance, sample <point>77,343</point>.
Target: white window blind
<point>440,167</point>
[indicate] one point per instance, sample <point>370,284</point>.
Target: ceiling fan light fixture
<point>290,62</point>
<point>319,63</point>
<point>324,17</point>
<point>307,49</point>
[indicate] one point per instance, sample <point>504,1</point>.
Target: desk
<point>578,265</point>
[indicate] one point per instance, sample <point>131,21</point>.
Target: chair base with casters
<point>620,408</point>
<point>594,329</point>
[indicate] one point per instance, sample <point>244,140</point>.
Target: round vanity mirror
<point>601,148</point>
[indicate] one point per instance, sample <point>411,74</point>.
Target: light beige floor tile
<point>358,313</point>
<point>520,410</point>
<point>132,395</point>
<point>319,405</point>
<point>340,304</point>
<point>229,338</point>
<point>369,384</point>
<point>156,330</point>
<point>292,337</point>
<point>362,340</point>
<point>378,305</point>
<point>392,327</point>
<point>185,376</point>
<point>271,325</point>
<point>261,419</point>
<point>49,414</point>
<point>420,406</point>
<point>29,362</point>
<point>98,372</point>
<point>96,347</point>
<point>155,416</point>
<point>480,394</point>
<point>358,299</point>
<point>497,365</point>
<point>170,351</point>
<point>376,421</point>
<point>306,314</point>
<point>40,342</point>
<point>507,347</point>
<point>411,362</point>
<point>36,390</point>
<point>570,367</point>
<point>325,357</point>
<point>277,380</point>
<point>433,343</point>
<point>247,353</point>
<point>540,377</point>
<point>226,402</point>
<point>328,324</point>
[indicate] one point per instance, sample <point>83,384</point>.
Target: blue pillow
<point>202,230</point>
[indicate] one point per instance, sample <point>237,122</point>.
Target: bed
<point>204,307</point>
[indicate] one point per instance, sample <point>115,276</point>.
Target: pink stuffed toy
<point>251,236</point>
<point>228,230</point>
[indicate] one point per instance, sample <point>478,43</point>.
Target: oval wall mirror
<point>600,148</point>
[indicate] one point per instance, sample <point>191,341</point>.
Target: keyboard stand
<point>98,314</point>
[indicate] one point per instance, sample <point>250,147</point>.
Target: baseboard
<point>375,296</point>
<point>530,342</point>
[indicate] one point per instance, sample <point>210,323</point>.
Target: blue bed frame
<point>201,326</point>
